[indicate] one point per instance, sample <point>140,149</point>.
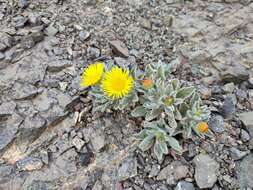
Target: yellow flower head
<point>92,74</point>
<point>117,83</point>
<point>202,127</point>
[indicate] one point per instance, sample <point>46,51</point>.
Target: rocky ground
<point>50,140</point>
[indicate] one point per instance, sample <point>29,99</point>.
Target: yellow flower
<point>117,83</point>
<point>202,127</point>
<point>92,74</point>
<point>168,101</point>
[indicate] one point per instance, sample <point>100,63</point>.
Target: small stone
<point>93,52</point>
<point>7,109</point>
<point>78,143</point>
<point>205,171</point>
<point>85,158</point>
<point>19,21</point>
<point>154,170</point>
<point>97,141</point>
<point>183,185</point>
<point>237,154</point>
<point>84,35</point>
<point>247,120</point>
<point>23,3</point>
<point>241,95</point>
<point>51,30</point>
<point>244,172</point>
<point>127,168</point>
<point>228,107</point>
<point>216,123</point>
<point>2,56</point>
<point>29,164</point>
<point>173,172</point>
<point>119,48</point>
<point>145,23</point>
<point>245,136</point>
<point>236,74</point>
<point>229,87</point>
<point>168,21</point>
<point>250,83</point>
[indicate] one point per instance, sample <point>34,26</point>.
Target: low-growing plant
<point>168,106</point>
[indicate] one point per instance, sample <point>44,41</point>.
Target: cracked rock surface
<point>44,47</point>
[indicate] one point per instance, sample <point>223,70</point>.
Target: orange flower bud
<point>147,83</point>
<point>202,127</point>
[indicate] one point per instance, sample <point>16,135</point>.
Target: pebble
<point>51,30</point>
<point>78,143</point>
<point>29,164</point>
<point>216,123</point>
<point>228,107</point>
<point>2,56</point>
<point>84,35</point>
<point>245,136</point>
<point>237,154</point>
<point>229,87</point>
<point>183,185</point>
<point>119,48</point>
<point>23,3</point>
<point>205,171</point>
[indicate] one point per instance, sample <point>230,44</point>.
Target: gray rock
<point>93,52</point>
<point>19,21</point>
<point>119,48</point>
<point>6,173</point>
<point>32,127</point>
<point>29,164</point>
<point>244,172</point>
<point>84,35</point>
<point>245,136</point>
<point>23,3</point>
<point>247,120</point>
<point>78,143</point>
<point>51,30</point>
<point>30,40</point>
<point>216,123</point>
<point>236,74</point>
<point>7,109</point>
<point>2,56</point>
<point>122,62</point>
<point>8,130</point>
<point>58,65</point>
<point>205,171</point>
<point>229,87</point>
<point>237,154</point>
<point>183,185</point>
<point>42,185</point>
<point>241,95</point>
<point>250,82</point>
<point>173,172</point>
<point>97,141</point>
<point>228,107</point>
<point>145,23</point>
<point>154,170</point>
<point>2,46</point>
<point>127,168</point>
<point>25,92</point>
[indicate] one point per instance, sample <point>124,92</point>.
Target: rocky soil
<point>50,140</point>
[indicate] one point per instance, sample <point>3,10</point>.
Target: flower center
<point>168,101</point>
<point>118,84</point>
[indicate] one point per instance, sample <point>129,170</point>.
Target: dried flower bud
<point>202,127</point>
<point>147,83</point>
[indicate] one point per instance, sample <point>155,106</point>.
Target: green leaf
<point>177,114</point>
<point>185,92</point>
<point>158,151</point>
<point>139,111</point>
<point>174,144</point>
<point>183,109</point>
<point>160,72</point>
<point>175,83</point>
<point>154,113</point>
<point>146,143</point>
<point>150,105</point>
<point>164,147</point>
